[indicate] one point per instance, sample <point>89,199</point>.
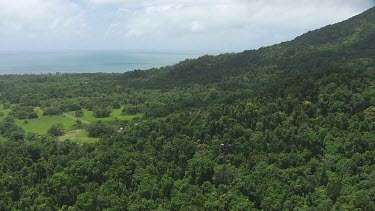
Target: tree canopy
<point>285,127</point>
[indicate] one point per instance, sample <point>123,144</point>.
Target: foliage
<point>78,113</point>
<point>24,112</point>
<point>52,111</point>
<point>100,112</point>
<point>56,130</point>
<point>285,127</point>
<point>98,129</point>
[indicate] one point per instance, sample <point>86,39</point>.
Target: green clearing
<point>41,124</point>
<point>74,132</point>
<point>78,136</point>
<point>114,119</point>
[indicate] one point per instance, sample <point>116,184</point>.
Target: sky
<point>173,25</point>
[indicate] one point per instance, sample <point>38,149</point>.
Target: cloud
<point>41,17</point>
<point>154,24</point>
<point>183,17</point>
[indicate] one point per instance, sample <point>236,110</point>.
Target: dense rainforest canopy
<point>285,127</point>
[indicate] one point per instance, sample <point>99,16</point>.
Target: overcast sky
<point>183,25</point>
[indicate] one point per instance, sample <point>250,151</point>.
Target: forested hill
<point>315,51</point>
<point>285,127</point>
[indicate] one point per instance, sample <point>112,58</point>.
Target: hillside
<point>285,127</point>
<point>343,42</point>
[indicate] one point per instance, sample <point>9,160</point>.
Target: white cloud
<point>183,17</point>
<point>40,17</point>
<point>203,24</point>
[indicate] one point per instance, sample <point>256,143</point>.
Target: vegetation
<point>78,136</point>
<point>100,112</point>
<point>114,118</point>
<point>42,124</point>
<point>285,127</point>
<point>56,130</point>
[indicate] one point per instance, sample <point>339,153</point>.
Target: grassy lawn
<point>41,124</point>
<point>78,136</point>
<point>74,132</point>
<point>112,120</point>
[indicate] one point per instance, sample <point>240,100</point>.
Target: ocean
<point>86,61</point>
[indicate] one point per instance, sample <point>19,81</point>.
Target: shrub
<point>56,130</point>
<point>102,112</point>
<point>78,113</point>
<point>98,130</point>
<point>51,111</point>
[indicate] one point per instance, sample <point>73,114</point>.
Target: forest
<point>285,127</point>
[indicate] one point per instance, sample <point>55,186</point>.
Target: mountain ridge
<point>352,38</point>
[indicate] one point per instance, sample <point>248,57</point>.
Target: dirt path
<point>72,117</point>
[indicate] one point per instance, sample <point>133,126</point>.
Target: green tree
<point>56,130</point>
<point>99,129</point>
<point>78,113</point>
<point>102,112</point>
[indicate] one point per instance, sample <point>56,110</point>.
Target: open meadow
<point>114,119</point>
<point>73,131</point>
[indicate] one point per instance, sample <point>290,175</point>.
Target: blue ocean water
<point>86,61</point>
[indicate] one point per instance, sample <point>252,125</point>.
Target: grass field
<point>41,124</point>
<point>78,136</point>
<point>114,119</point>
<point>74,132</point>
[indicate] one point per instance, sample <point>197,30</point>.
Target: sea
<point>87,61</point>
